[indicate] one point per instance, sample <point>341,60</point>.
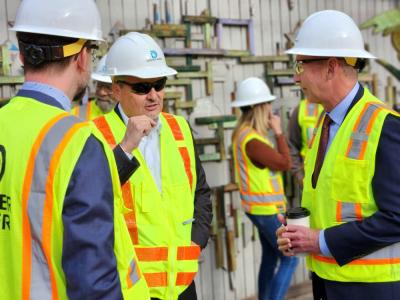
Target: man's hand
<point>137,127</point>
<point>294,239</point>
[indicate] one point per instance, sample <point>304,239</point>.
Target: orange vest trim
<point>178,136</point>
<point>156,279</point>
<point>188,252</point>
<point>185,278</point>
<point>130,217</point>
<point>152,254</point>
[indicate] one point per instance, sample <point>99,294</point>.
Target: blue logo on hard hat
<point>153,54</point>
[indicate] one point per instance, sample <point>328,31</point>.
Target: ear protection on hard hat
<point>36,54</point>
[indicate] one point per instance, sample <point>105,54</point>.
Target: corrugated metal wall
<point>272,19</point>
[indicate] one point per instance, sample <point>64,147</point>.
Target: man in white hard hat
<point>168,196</point>
<point>63,234</point>
<point>351,171</point>
<point>258,169</point>
<point>103,102</point>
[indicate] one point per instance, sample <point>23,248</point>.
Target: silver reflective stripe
<point>392,251</point>
<point>83,111</point>
<point>274,182</point>
<point>389,252</point>
<point>134,276</point>
<point>240,157</point>
<point>311,109</point>
<point>40,275</point>
<point>266,198</point>
<point>359,135</point>
<point>310,131</point>
<point>348,212</point>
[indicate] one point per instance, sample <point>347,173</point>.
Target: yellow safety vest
<point>343,192</point>
<point>308,116</point>
<point>261,190</point>
<point>161,224</point>
<point>38,157</point>
<point>87,111</point>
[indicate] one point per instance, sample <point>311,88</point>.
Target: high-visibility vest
<point>39,156</point>
<point>161,224</point>
<point>261,189</point>
<point>308,116</point>
<point>343,192</point>
<point>87,111</point>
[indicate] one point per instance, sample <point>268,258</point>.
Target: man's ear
<point>333,65</point>
<point>82,59</point>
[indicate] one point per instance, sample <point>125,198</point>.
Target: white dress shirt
<point>149,147</point>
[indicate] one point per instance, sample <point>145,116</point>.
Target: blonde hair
<point>256,117</point>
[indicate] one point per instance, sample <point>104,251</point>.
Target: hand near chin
<point>136,128</point>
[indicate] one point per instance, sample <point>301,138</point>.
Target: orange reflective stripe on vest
<point>157,254</point>
<point>37,201</point>
<point>178,136</point>
<point>129,201</point>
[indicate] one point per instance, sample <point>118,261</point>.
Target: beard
<point>106,105</point>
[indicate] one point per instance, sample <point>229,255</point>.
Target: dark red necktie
<point>323,143</point>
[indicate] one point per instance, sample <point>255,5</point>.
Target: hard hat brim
<point>102,78</point>
<point>145,73</point>
<point>241,103</point>
<point>330,52</point>
<point>94,36</point>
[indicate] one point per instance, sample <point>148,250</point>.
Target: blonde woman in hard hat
<point>103,101</point>
<point>351,183</point>
<point>258,165</point>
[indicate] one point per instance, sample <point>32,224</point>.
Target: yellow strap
<point>351,61</point>
<point>73,48</point>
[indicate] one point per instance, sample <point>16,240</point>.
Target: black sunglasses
<point>143,88</point>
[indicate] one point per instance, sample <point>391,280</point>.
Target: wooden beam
<point>193,51</point>
<point>199,19</point>
<point>169,30</point>
<point>183,81</point>
<point>11,80</point>
<point>265,58</point>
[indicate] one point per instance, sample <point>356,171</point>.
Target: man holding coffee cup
<point>351,170</point>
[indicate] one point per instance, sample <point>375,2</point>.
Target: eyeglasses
<point>143,88</point>
<point>298,64</point>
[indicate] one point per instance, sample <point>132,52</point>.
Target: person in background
<point>103,102</point>
<point>62,233</point>
<point>351,171</point>
<point>302,123</point>
<point>168,196</point>
<point>258,165</point>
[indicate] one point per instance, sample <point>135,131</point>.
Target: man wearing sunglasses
<point>168,197</point>
<point>103,102</point>
<point>351,171</point>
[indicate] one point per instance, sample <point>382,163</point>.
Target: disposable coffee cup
<point>298,216</point>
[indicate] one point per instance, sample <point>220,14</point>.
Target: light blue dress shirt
<point>337,114</point>
<point>53,92</point>
<point>149,147</point>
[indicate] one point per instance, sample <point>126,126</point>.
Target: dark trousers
<point>188,294</point>
<point>333,290</point>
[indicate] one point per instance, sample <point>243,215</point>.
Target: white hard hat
<point>137,54</point>
<point>330,33</point>
<point>68,18</point>
<point>100,73</point>
<point>252,91</point>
